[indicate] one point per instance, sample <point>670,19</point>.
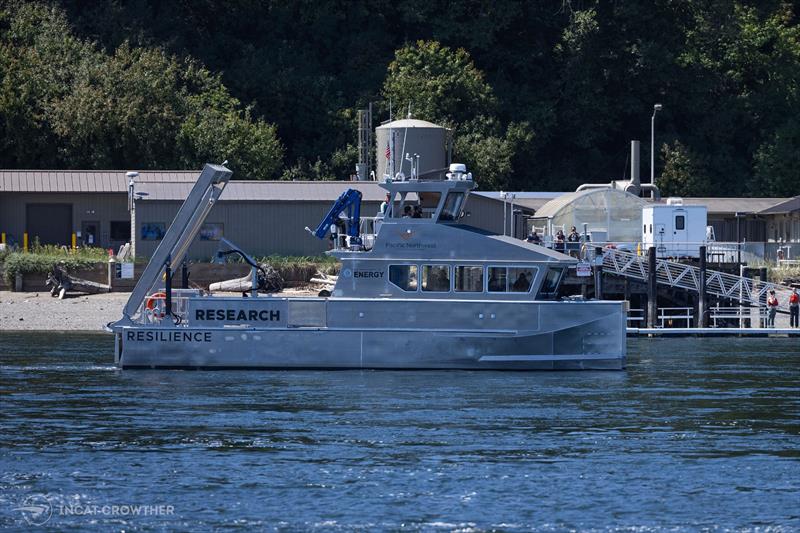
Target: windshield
<point>452,206</point>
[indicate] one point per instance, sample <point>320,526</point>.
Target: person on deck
<point>534,238</point>
<point>794,309</point>
<point>772,309</point>
<point>559,241</point>
<point>407,211</point>
<point>573,236</point>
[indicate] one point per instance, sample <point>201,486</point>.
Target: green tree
<point>777,163</point>
<point>683,174</point>
<point>444,86</point>
<point>67,103</point>
<point>440,84</point>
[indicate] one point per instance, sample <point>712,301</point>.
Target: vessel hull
<point>590,337</point>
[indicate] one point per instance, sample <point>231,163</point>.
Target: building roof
<point>554,206</point>
<point>529,200</point>
<point>85,180</point>
<point>784,206</point>
<point>736,205</point>
<point>275,191</point>
<point>175,185</point>
<point>409,123</point>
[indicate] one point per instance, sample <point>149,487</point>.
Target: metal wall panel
<point>104,208</point>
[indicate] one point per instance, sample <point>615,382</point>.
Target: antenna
<point>409,110</point>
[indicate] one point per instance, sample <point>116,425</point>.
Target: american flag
<point>388,151</point>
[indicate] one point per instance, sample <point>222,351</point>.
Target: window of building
<point>120,230</point>
<point>404,277</point>
<point>550,283</point>
<point>211,231</point>
<point>511,279</point>
<point>680,222</point>
<point>436,278</point>
<point>153,231</point>
<point>469,279</point>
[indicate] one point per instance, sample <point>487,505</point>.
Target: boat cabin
<point>417,247</point>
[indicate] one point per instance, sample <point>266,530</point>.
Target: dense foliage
<point>541,95</point>
<point>42,259</point>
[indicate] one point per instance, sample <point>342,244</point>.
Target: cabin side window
<point>452,206</point>
<point>404,277</point>
<point>550,284</point>
<point>510,279</point>
<point>680,222</point>
<point>469,279</point>
<point>436,278</point>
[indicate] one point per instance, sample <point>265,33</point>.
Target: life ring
<point>152,304</point>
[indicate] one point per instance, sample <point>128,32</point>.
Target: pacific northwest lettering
<point>232,315</point>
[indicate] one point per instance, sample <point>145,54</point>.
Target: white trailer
<point>676,230</point>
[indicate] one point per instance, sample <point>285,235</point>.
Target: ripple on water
<point>697,433</point>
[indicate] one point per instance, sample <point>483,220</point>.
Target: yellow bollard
<point>25,241</point>
<point>74,241</point>
<point>3,238</point>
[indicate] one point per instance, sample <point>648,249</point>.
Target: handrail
<point>673,274</point>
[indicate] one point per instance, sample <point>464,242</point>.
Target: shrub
<point>42,259</point>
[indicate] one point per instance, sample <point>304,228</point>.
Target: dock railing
<point>737,313</point>
<point>668,315</point>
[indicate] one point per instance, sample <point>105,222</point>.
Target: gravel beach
<point>38,311</point>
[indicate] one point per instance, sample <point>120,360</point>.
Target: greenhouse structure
<point>615,212</point>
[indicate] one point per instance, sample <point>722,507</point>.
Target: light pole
<point>656,109</point>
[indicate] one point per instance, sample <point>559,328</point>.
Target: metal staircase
<point>746,290</point>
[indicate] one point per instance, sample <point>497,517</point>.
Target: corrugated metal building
<point>53,204</point>
<point>270,217</point>
<point>263,218</point>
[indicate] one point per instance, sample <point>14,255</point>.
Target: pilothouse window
<point>510,279</point>
<point>550,284</point>
<point>469,279</point>
<point>404,276</point>
<point>435,278</point>
<point>452,206</point>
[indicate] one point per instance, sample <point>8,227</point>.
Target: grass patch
<point>778,275</point>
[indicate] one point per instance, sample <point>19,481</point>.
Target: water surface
<point>697,433</point>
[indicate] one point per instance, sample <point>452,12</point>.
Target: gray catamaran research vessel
<point>420,291</point>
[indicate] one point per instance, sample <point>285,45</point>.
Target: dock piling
<point>652,290</point>
<point>702,302</point>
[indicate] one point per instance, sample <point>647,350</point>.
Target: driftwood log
<point>269,280</point>
<point>60,282</point>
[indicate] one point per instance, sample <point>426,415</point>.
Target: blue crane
<point>348,203</point>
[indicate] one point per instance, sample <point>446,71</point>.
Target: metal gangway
<point>673,274</point>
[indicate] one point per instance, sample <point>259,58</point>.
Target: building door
<point>680,225</point>
<point>50,223</point>
<point>90,233</point>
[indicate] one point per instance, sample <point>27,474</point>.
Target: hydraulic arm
<point>349,204</point>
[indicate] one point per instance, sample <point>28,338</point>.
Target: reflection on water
<point>697,433</point>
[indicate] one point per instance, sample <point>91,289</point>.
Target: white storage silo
<point>410,136</point>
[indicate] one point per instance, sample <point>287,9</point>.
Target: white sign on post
<point>125,270</point>
<point>583,270</point>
